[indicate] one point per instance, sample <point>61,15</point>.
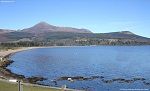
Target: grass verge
<point>8,86</point>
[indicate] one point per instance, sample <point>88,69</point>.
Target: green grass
<point>29,88</point>
<point>6,86</point>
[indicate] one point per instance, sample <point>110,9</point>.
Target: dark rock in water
<point>73,78</point>
<point>107,81</point>
<point>63,78</point>
<point>79,78</point>
<point>101,76</point>
<point>95,77</point>
<point>129,81</point>
<point>35,79</point>
<point>146,83</point>
<point>55,82</point>
<point>121,80</point>
<point>118,79</point>
<point>141,79</point>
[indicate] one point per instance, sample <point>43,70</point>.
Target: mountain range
<point>44,27</point>
<point>46,32</point>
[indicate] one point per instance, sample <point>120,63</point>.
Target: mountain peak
<point>126,32</point>
<point>44,27</point>
<point>42,23</point>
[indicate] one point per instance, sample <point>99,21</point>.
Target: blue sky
<point>99,16</point>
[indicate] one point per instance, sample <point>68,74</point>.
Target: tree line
<point>73,42</point>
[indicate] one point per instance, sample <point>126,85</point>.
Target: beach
<point>4,53</point>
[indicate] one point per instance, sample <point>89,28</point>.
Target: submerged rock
<point>146,83</point>
<point>35,79</point>
<point>141,79</point>
<point>72,78</point>
<point>78,78</point>
<point>107,81</point>
<point>119,80</point>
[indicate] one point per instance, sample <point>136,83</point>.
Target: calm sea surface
<point>107,68</point>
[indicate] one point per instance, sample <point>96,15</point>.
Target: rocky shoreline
<point>7,74</point>
<point>103,79</point>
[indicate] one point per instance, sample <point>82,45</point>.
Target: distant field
<point>5,86</point>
